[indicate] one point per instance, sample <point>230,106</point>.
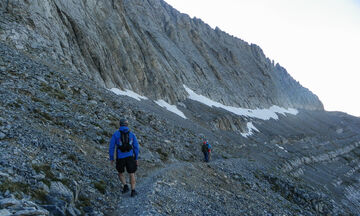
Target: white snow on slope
<point>280,147</point>
<point>162,103</point>
<point>264,114</point>
<point>128,93</point>
<point>171,108</point>
<point>251,128</point>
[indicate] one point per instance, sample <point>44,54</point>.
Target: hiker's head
<point>204,142</point>
<point>124,122</point>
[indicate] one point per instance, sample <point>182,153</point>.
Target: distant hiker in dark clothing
<point>127,151</point>
<point>206,149</point>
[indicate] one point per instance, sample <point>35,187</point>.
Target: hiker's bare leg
<point>132,181</point>
<point>122,178</point>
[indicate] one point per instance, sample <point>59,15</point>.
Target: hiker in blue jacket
<point>127,151</point>
<point>206,149</point>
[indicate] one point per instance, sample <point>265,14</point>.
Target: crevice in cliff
<point>201,48</point>
<point>72,27</point>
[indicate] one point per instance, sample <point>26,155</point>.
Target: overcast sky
<point>317,41</point>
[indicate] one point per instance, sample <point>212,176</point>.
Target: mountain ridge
<point>151,53</point>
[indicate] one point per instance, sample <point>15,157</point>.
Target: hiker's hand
<point>137,163</point>
<point>112,163</point>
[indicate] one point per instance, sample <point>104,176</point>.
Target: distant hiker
<point>126,155</point>
<point>206,149</point>
<point>7,6</point>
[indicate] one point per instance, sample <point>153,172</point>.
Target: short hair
<point>124,122</point>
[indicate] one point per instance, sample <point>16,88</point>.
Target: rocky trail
<point>142,204</point>
<point>198,188</point>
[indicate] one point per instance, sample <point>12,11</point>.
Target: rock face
<point>152,49</point>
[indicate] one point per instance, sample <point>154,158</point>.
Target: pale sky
<point>317,41</point>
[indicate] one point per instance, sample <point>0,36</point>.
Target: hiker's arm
<point>209,151</point>
<point>112,148</point>
<point>136,147</point>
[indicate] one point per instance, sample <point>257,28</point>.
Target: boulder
<point>58,190</point>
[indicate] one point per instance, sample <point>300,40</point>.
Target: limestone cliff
<point>149,47</point>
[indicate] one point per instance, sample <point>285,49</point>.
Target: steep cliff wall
<point>150,48</point>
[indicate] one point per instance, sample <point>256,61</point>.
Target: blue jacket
<point>115,141</point>
<point>208,145</point>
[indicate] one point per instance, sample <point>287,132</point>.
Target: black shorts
<point>128,162</point>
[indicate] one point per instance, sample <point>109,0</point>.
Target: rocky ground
<point>54,131</point>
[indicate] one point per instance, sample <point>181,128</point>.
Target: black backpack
<point>204,148</point>
<point>125,145</point>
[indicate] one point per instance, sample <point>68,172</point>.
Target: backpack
<point>204,148</point>
<point>125,145</point>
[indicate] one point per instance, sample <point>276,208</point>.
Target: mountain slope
<point>55,127</point>
<point>150,48</point>
<point>58,60</point>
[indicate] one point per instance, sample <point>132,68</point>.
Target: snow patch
<point>171,108</point>
<point>251,129</point>
<point>128,93</point>
<point>264,114</point>
<point>280,147</point>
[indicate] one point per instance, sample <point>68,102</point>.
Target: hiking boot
<point>133,193</point>
<point>125,189</point>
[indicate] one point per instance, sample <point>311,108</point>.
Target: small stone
<point>88,209</point>
<point>39,176</point>
<point>2,136</point>
<point>4,174</point>
<point>29,203</point>
<point>32,212</point>
<point>82,93</point>
<point>57,189</point>
<point>44,187</point>
<point>7,193</point>
<point>42,79</point>
<point>72,211</point>
<point>97,213</point>
<point>4,212</point>
<point>93,102</point>
<point>19,46</point>
<point>339,131</point>
<point>60,176</point>
<point>34,45</point>
<point>77,211</point>
<point>9,202</point>
<point>57,85</point>
<point>54,210</point>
